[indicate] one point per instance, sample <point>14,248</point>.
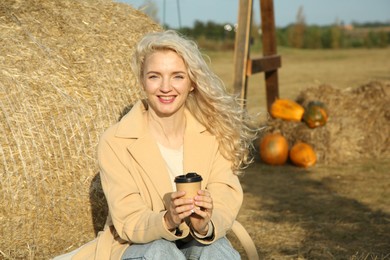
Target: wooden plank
<point>269,63</point>
<point>272,87</point>
<point>268,27</point>
<point>269,49</point>
<point>263,64</point>
<point>241,50</point>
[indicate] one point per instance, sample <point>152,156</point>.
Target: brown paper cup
<point>190,183</point>
<point>191,189</point>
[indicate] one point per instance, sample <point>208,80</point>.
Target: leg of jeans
<point>219,250</point>
<point>156,250</point>
<point>192,250</point>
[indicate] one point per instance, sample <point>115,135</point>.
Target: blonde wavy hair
<point>210,103</point>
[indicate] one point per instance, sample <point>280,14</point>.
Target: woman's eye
<point>179,77</point>
<point>152,76</point>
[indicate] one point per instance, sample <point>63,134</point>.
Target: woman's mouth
<point>166,99</point>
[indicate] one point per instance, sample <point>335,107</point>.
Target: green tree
<point>313,37</point>
<point>335,33</point>
<point>297,32</point>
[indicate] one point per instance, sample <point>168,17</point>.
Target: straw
<point>65,77</point>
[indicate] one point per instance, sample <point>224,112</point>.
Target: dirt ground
<point>338,211</point>
<point>324,212</point>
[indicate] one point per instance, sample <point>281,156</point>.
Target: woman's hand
<point>179,208</point>
<point>203,210</point>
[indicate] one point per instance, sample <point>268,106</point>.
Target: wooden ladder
<point>269,63</point>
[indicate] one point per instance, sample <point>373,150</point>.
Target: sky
<point>319,12</point>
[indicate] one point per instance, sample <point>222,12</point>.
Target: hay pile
<point>64,78</point>
<point>358,125</point>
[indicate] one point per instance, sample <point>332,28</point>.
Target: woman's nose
<point>165,85</point>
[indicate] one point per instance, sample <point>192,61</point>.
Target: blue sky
<point>320,12</point>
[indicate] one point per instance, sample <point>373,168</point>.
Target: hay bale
<point>358,126</point>
<point>65,77</point>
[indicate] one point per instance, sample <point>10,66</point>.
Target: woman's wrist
<point>202,232</point>
<point>209,231</point>
<point>168,223</point>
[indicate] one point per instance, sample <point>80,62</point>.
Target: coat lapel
<point>198,149</point>
<point>143,148</point>
<point>147,154</point>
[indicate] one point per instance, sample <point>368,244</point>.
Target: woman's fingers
<point>181,207</point>
<point>204,201</point>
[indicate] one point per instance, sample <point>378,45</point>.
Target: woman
<point>187,123</point>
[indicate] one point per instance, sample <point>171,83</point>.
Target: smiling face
<point>166,83</point>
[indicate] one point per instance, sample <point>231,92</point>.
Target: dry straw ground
<point>64,78</point>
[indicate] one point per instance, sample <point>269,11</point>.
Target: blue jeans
<point>162,249</point>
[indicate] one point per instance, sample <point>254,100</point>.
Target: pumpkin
<point>302,154</point>
<point>274,149</point>
<point>315,114</point>
<point>287,109</point>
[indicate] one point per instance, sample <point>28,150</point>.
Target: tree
<point>335,35</point>
<point>297,32</point>
<point>313,37</point>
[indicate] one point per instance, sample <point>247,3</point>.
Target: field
<point>339,211</point>
<point>307,68</point>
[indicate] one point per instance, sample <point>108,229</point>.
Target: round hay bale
<point>358,125</point>
<point>65,77</point>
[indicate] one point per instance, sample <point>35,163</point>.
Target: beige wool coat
<point>136,183</point>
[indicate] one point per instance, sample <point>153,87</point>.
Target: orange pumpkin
<point>303,155</point>
<point>274,149</point>
<point>287,109</point>
<point>315,114</point>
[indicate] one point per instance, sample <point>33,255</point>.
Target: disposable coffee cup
<point>190,183</point>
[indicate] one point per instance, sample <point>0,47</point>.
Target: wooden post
<point>269,49</point>
<point>244,66</point>
<point>241,50</point>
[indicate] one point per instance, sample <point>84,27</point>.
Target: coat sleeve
<point>227,195</point>
<point>132,218</point>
